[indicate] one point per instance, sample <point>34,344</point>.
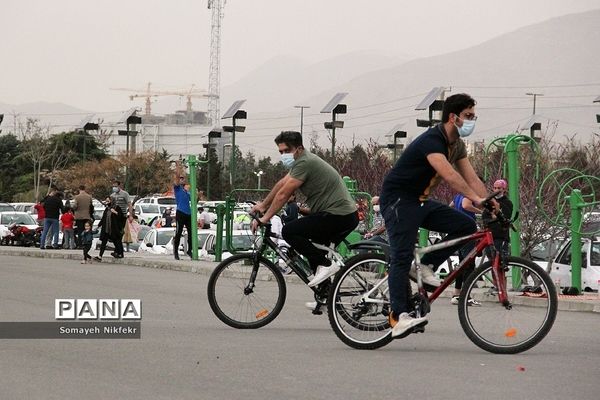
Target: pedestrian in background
<point>67,220</point>
<point>110,229</point>
<point>83,211</point>
<point>183,215</point>
<point>53,206</point>
<point>120,200</point>
<point>87,237</point>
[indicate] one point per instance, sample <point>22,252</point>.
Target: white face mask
<point>287,159</point>
<point>376,208</point>
<point>467,127</point>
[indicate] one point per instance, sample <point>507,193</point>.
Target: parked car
<point>242,240</point>
<point>6,207</point>
<point>156,240</point>
<point>24,207</point>
<point>15,217</point>
<point>146,212</point>
<point>560,269</point>
<point>160,200</point>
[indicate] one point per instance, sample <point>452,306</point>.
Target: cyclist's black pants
<point>403,217</point>
<point>322,228</point>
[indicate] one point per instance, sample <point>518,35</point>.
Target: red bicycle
<point>510,320</point>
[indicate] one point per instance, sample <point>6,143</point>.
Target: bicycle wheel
<point>360,320</point>
<point>518,325</point>
<point>236,303</point>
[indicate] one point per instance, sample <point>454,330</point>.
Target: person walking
<point>83,211</point>
<point>120,200</point>
<point>110,228</point>
<point>183,214</point>
<point>87,237</point>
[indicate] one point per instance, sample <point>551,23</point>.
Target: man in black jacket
<point>499,232</point>
<point>54,207</point>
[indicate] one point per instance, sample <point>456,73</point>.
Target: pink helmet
<point>501,183</point>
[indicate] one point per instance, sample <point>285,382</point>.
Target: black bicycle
<point>247,291</point>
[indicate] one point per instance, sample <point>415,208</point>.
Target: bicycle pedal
<point>419,329</point>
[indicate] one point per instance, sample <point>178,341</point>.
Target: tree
<point>35,149</point>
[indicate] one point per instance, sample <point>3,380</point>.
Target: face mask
<point>287,159</point>
<point>499,195</point>
<point>376,208</point>
<point>115,189</point>
<point>467,127</point>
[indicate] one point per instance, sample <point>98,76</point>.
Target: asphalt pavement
<point>187,353</point>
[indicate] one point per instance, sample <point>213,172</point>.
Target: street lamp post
<point>234,113</point>
<point>131,120</point>
<point>301,117</point>
<point>334,107</point>
<point>258,174</point>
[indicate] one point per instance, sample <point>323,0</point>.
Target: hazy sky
<point>73,51</point>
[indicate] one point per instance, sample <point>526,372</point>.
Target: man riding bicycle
<point>406,206</point>
<point>332,209</point>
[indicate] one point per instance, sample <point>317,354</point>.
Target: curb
<point>202,267</point>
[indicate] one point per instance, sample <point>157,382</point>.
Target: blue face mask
<point>115,189</point>
<point>467,127</point>
<point>287,159</point>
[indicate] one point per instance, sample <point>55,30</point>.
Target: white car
<point>146,212</point>
<point>242,240</point>
<point>24,207</point>
<point>156,240</point>
<point>18,217</point>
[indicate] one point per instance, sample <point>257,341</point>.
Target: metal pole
<point>395,147</point>
<point>194,205</point>
<point>575,202</point>
<point>333,138</point>
<point>84,140</point>
<point>513,194</point>
<point>127,161</point>
<point>301,120</point>
<point>208,172</point>
<point>259,181</point>
<point>232,157</point>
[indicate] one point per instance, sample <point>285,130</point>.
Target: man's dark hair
<point>81,187</point>
<point>455,104</point>
<point>117,182</point>
<point>290,138</point>
<point>200,209</point>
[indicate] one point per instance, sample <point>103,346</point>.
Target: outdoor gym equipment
<point>575,190</point>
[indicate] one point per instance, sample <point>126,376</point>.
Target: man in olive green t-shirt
<point>332,209</point>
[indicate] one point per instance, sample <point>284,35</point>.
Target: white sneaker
<point>427,275</point>
<point>470,302</point>
<point>454,300</point>
<point>405,324</point>
<point>323,273</point>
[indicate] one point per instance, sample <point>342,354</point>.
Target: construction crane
<point>148,94</point>
<point>214,73</point>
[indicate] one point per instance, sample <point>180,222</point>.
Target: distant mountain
<point>59,116</point>
<point>558,58</point>
<point>285,81</point>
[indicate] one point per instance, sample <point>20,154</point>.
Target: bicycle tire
<point>508,330</point>
<point>252,310</point>
<point>360,325</point>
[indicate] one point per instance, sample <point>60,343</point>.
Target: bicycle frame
<point>269,243</point>
<point>483,239</point>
